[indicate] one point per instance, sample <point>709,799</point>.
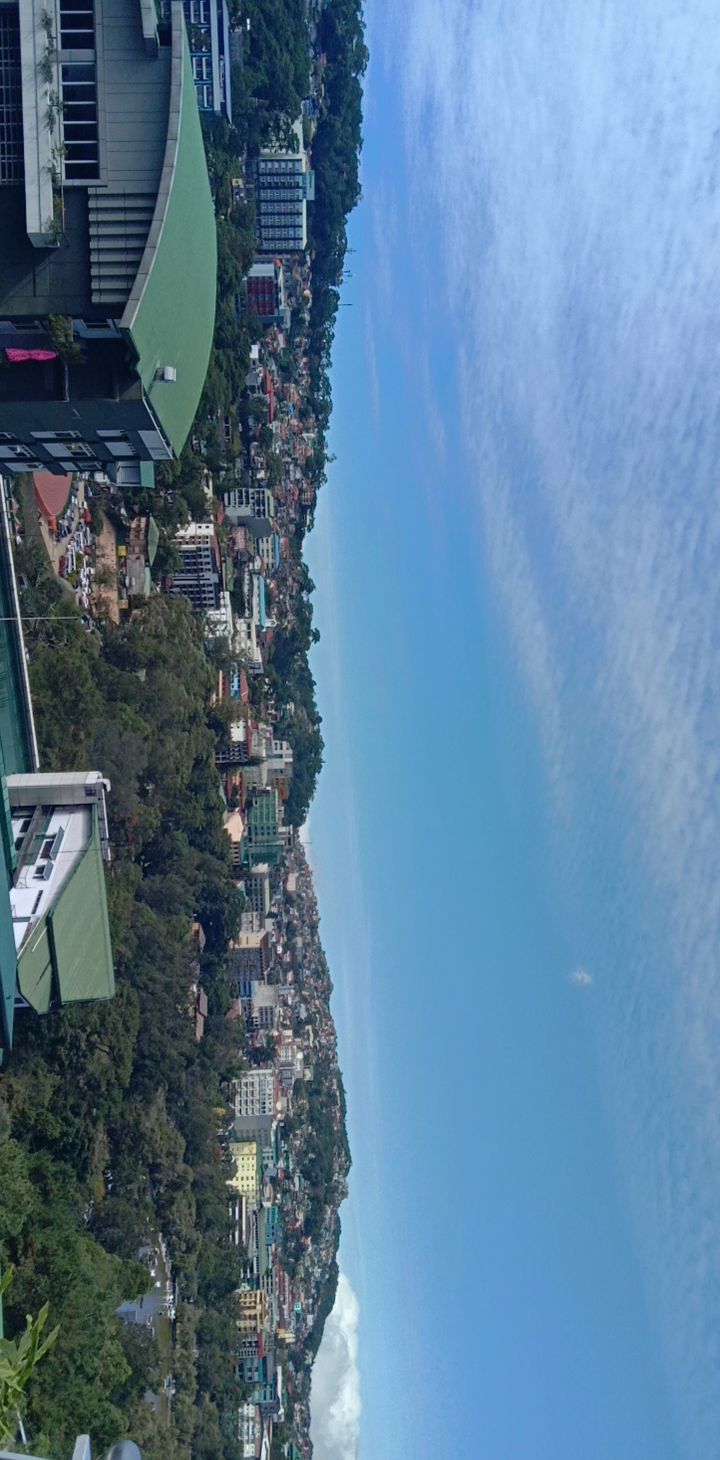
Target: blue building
<point>208,28</point>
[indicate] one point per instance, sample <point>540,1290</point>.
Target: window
<point>11,133</point>
<point>80,126</point>
<point>77,25</point>
<point>47,847</point>
<point>10,452</point>
<point>39,872</point>
<point>56,435</point>
<point>202,68</point>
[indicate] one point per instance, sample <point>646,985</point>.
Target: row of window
<point>266,166</point>
<point>77,25</point>
<point>11,133</point>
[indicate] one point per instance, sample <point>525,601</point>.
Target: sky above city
<point>516,837</point>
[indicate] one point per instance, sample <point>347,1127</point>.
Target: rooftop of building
<point>170,315</point>
<point>65,954</point>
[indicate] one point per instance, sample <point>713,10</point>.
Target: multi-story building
<point>107,241</point>
<point>263,832</point>
<point>280,761</point>
<point>242,502</point>
<point>208,28</point>
<point>265,292</point>
<point>249,955</point>
<point>247,1176</point>
<point>256,1369</point>
<point>256,882</point>
<point>200,577</point>
<point>258,1128</point>
<point>284,185</point>
<point>252,1311</point>
<point>255,1093</point>
<point>261,1006</point>
<point>250,1429</point>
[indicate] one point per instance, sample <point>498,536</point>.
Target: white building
<point>242,502</point>
<point>255,1093</point>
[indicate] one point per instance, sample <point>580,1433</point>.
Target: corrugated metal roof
<point>81,932</point>
<point>170,314</point>
<point>69,955</point>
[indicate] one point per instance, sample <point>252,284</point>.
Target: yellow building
<point>247,1161</point>
<point>253,1311</point>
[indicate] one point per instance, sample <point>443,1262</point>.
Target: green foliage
<point>109,1112</point>
<point>18,1360</point>
<point>269,88</point>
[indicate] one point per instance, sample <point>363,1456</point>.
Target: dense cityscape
<point>173,1152</point>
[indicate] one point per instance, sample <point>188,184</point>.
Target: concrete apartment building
<point>263,832</point>
<point>249,955</point>
<point>284,185</point>
<point>265,293</point>
<point>255,1093</point>
<point>200,576</point>
<point>247,1177</point>
<point>108,243</point>
<point>256,883</point>
<point>243,502</point>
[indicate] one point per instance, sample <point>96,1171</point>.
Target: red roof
<point>51,491</point>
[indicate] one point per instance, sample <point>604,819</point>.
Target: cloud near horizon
<point>335,1395</point>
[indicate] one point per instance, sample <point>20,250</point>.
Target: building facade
<point>265,292</point>
<point>242,502</point>
<point>208,28</point>
<point>252,1311</point>
<point>107,221</point>
<point>247,1176</point>
<point>200,576</point>
<point>255,1093</point>
<point>284,185</point>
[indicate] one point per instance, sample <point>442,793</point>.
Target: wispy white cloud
<point>335,1396</point>
<point>560,172</point>
<point>580,978</point>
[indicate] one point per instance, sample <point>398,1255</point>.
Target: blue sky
<point>517,568</point>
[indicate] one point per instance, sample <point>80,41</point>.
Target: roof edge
<point>167,176</point>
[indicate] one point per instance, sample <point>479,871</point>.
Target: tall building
<point>255,1093</point>
<point>247,1176</point>
<point>258,1128</point>
<point>284,185</point>
<point>263,834</point>
<point>252,1311</point>
<point>245,502</point>
<point>200,577</point>
<point>208,28</point>
<point>249,955</point>
<point>107,242</point>
<point>265,292</point>
<point>256,883</point>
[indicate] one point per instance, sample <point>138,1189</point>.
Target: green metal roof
<point>170,315</point>
<point>69,955</point>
